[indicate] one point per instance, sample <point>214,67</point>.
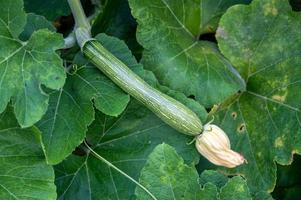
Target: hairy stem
<point>78,14</point>
<point>82,25</point>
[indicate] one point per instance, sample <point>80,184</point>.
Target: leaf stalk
<point>82,24</point>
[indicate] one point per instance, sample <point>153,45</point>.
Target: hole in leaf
<point>241,128</point>
<point>234,115</point>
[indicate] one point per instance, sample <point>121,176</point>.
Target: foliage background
<point>242,56</point>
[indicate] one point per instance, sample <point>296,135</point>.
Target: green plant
<point>69,131</point>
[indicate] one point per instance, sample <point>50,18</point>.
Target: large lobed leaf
<point>26,66</point>
<point>167,177</point>
<point>126,142</point>
<point>71,109</point>
<point>24,174</point>
<point>169,31</point>
<point>263,41</point>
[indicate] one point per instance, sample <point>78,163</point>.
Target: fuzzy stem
<point>82,25</point>
<point>78,14</point>
<point>120,171</point>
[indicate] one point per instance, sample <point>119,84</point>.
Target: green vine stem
<point>78,14</point>
<point>82,25</point>
<point>119,170</point>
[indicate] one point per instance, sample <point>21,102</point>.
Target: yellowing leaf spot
<point>279,97</point>
<point>279,142</point>
<point>269,9</point>
<point>240,188</point>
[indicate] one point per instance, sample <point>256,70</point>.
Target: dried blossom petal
<point>214,145</point>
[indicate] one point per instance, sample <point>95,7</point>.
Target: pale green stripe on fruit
<point>168,109</point>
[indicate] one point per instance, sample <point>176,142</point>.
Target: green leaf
<point>230,188</point>
<point>199,110</point>
<point>167,177</point>
<point>26,66</point>
<point>263,41</point>
<point>35,22</point>
<point>65,123</point>
<point>24,174</point>
<point>122,52</point>
<point>51,9</point>
<point>116,20</point>
<point>107,97</point>
<point>169,32</point>
<point>236,188</point>
<point>71,110</point>
<point>212,10</point>
<point>210,176</point>
<point>126,142</point>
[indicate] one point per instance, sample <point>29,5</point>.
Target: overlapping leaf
<point>116,20</point>
<point>263,41</point>
<point>51,9</point>
<point>169,32</point>
<point>26,66</point>
<point>212,10</point>
<point>71,110</point>
<point>167,177</point>
<point>24,174</point>
<point>34,23</point>
<point>126,142</point>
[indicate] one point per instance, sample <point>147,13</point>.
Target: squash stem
<point>78,14</point>
<point>82,25</point>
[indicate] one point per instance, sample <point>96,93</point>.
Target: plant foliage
<point>237,61</point>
